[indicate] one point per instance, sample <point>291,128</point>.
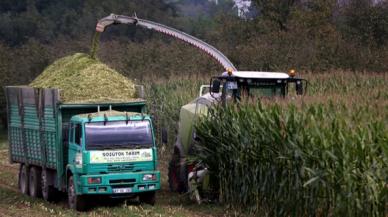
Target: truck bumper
<point>118,183</point>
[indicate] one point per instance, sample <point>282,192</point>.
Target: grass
<point>14,204</point>
<point>3,139</point>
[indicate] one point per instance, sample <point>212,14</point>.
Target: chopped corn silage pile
<point>84,79</point>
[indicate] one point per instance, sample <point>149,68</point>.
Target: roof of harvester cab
<point>253,74</point>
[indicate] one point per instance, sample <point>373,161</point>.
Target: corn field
<point>165,98</point>
<point>287,162</point>
<point>322,155</point>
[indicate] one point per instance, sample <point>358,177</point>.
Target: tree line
<point>276,35</point>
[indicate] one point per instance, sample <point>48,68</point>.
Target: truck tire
<point>148,198</point>
<point>48,191</point>
<point>176,180</point>
<point>23,179</point>
<point>35,183</point>
<point>76,202</point>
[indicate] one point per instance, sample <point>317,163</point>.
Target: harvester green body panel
<point>189,114</point>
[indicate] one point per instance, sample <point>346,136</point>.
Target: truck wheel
<point>23,179</point>
<point>175,182</point>
<point>48,192</point>
<point>35,187</point>
<point>75,201</point>
<point>148,198</point>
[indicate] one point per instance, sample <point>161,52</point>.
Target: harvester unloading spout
<point>212,51</point>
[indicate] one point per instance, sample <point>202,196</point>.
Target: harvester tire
<point>176,180</point>
<point>35,185</point>
<point>23,179</point>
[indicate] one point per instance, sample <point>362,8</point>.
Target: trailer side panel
<point>32,125</point>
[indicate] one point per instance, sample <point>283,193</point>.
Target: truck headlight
<point>149,177</point>
<point>78,159</point>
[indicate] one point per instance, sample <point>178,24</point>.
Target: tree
<point>366,21</point>
<point>277,11</point>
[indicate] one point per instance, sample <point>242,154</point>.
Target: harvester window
<point>266,89</point>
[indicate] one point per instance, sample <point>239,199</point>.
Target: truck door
<point>75,145</point>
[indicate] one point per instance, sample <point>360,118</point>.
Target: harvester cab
<point>238,85</point>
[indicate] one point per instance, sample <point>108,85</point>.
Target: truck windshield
<point>118,134</point>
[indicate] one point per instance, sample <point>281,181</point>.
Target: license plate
<point>122,190</point>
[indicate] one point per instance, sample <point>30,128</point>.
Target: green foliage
<point>367,21</point>
<point>324,154</point>
<point>47,20</point>
<point>95,43</point>
<point>276,11</point>
<point>312,36</point>
<point>285,161</point>
<point>165,100</point>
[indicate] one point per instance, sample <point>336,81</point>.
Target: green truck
<point>84,149</point>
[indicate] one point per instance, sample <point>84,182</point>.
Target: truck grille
<point>120,167</point>
<point>122,181</point>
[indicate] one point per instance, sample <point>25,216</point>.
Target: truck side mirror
<point>164,136</point>
<point>299,87</point>
<point>215,88</point>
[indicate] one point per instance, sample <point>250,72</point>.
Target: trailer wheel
<point>148,198</point>
<point>23,179</point>
<point>35,186</point>
<point>76,202</point>
<point>48,192</point>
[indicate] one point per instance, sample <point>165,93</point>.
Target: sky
<point>242,7</point>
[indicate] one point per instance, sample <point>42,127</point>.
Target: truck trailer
<point>83,149</point>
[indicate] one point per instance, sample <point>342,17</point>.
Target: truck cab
<point>82,148</point>
<point>111,153</point>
